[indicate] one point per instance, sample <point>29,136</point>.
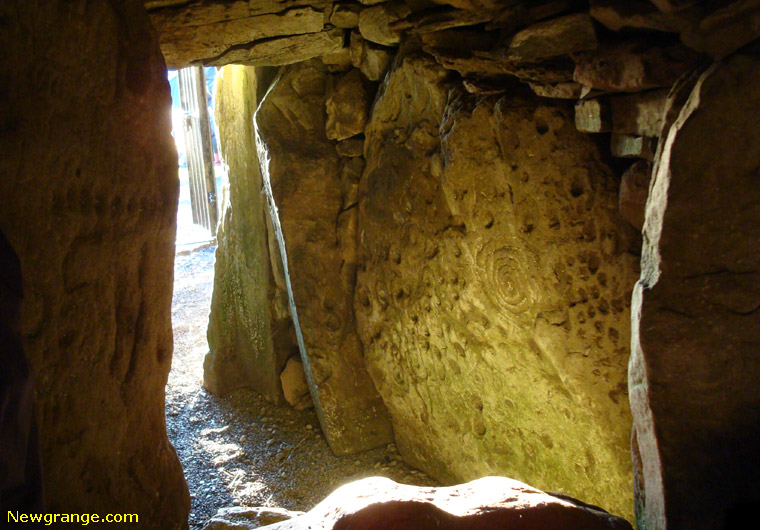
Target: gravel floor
<point>239,449</point>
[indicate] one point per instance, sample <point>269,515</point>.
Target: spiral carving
<point>509,274</point>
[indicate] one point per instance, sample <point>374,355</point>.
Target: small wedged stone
<point>339,61</point>
<point>640,14</point>
<point>640,114</point>
<point>634,189</point>
<point>350,147</point>
<point>593,116</point>
<point>283,51</point>
<point>375,22</point>
<point>347,107</point>
<point>345,15</point>
<point>295,388</point>
<point>725,30</point>
<point>569,90</point>
<point>245,518</point>
<point>632,146</point>
<point>378,503</point>
<point>185,44</point>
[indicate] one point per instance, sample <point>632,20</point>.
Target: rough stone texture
<point>301,169</point>
<point>351,147</point>
<point>183,44</point>
<point>378,503</point>
<point>593,115</point>
<point>347,107</point>
<point>725,30</point>
<point>345,15</point>
<point>634,189</point>
<point>694,365</point>
<point>294,384</point>
<point>89,196</point>
<point>493,295</point>
<point>375,21</point>
<point>247,308</point>
<point>244,518</point>
<point>633,66</point>
<point>282,51</point>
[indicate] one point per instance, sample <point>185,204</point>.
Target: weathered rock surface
<point>294,384</point>
<point>493,502</point>
<point>247,308</point>
<point>557,36</point>
<point>89,198</point>
<point>634,189</point>
<point>725,30</point>
<point>345,15</point>
<point>492,299</point>
<point>694,369</point>
<point>282,51</point>
<point>634,66</point>
<point>474,53</point>
<point>347,107</point>
<point>375,22</point>
<point>558,90</point>
<point>240,518</point>
<point>301,171</point>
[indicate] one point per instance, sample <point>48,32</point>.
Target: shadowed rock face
<point>302,176</point>
<point>494,290</point>
<point>694,368</point>
<point>89,195</point>
<point>493,502</point>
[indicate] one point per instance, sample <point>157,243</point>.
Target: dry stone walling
<point>89,199</point>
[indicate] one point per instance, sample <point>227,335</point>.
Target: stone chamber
<point>516,238</point>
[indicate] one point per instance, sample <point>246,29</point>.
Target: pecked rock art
<point>493,289</point>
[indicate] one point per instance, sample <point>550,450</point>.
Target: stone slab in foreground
<point>377,503</point>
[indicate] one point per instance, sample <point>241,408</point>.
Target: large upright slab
<point>302,174</point>
<point>250,331</point>
<point>695,367</point>
<point>493,296</point>
<point>89,200</point>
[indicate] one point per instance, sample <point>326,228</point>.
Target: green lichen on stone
<point>240,325</point>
